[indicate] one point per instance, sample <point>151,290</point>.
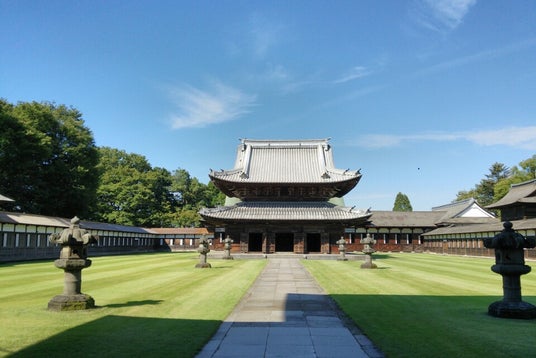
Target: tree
<point>484,192</point>
<point>131,192</point>
<point>192,195</point>
<point>47,159</point>
<point>402,203</point>
<point>526,171</point>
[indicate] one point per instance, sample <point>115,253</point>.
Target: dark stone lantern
<point>510,264</point>
<point>203,250</point>
<point>73,258</point>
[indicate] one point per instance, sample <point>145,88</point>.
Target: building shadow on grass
<point>439,326</point>
<point>132,303</point>
<point>122,336</point>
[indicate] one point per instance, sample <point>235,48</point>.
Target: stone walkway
<point>286,314</point>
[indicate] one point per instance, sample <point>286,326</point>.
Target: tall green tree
<point>526,171</point>
<point>192,195</point>
<point>402,203</point>
<point>484,192</point>
<point>47,159</point>
<point>131,192</point>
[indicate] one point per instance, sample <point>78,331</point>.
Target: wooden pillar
<point>299,243</point>
<point>244,237</point>
<point>324,243</point>
<point>268,242</point>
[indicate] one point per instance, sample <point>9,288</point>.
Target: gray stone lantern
<point>368,251</point>
<point>510,264</point>
<point>203,250</point>
<point>73,258</point>
<point>228,244</point>
<point>342,249</point>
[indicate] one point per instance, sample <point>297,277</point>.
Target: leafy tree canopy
<point>484,192</point>
<point>131,192</point>
<point>47,159</point>
<point>402,203</point>
<point>526,171</point>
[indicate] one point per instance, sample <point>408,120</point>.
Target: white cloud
<point>199,108</point>
<point>522,137</point>
<point>353,74</point>
<point>441,15</point>
<point>518,137</point>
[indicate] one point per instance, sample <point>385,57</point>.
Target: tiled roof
<point>522,192</point>
<point>405,218</point>
<point>461,208</point>
<point>285,211</point>
<point>493,227</point>
<point>285,161</point>
<point>179,231</point>
<point>40,220</point>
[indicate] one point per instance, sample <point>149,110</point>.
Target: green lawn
<point>421,305</point>
<point>148,305</point>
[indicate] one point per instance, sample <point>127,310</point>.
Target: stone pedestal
<point>510,264</point>
<point>368,264</point>
<point>203,262</point>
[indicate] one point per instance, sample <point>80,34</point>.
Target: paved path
<point>286,314</point>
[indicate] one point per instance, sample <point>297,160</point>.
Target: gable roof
<point>5,198</point>
<point>519,193</point>
<point>459,210</point>
<point>285,161</point>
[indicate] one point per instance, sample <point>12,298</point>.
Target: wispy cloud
<point>360,92</point>
<point>440,15</point>
<point>518,137</point>
<point>479,56</point>
<point>355,73</point>
<point>200,108</point>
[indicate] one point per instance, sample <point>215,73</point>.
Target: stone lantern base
<point>368,264</point>
<point>71,302</point>
<point>203,265</point>
<point>519,310</point>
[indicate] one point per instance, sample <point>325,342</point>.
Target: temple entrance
<point>284,241</point>
<point>255,242</point>
<point>312,242</point>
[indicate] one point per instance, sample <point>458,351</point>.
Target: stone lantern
<point>368,251</point>
<point>510,264</point>
<point>73,258</point>
<point>203,250</point>
<point>228,242</point>
<point>342,249</point>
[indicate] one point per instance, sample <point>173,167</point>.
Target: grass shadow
<point>121,336</point>
<point>438,326</point>
<point>132,303</point>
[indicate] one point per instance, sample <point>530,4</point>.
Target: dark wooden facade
<point>284,196</point>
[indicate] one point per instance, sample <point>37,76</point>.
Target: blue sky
<point>423,96</point>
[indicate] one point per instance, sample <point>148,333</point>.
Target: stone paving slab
<point>287,314</point>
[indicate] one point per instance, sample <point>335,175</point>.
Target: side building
<point>284,196</point>
<point>463,238</point>
<point>25,237</point>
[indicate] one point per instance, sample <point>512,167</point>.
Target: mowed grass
<point>422,305</point>
<point>148,305</point>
